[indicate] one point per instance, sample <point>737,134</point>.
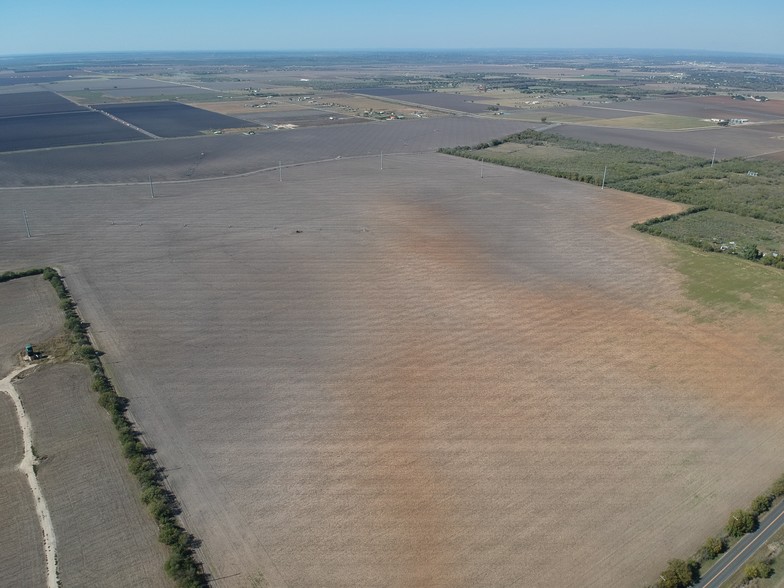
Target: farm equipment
<point>30,354</point>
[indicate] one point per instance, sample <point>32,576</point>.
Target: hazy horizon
<point>86,26</point>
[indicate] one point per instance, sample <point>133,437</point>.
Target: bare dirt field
<point>105,537</point>
<point>418,376</point>
<point>21,550</point>
<point>739,141</point>
<point>699,107</point>
<point>446,100</point>
<point>29,313</point>
<point>211,156</point>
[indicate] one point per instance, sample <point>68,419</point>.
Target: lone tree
<point>679,574</point>
<point>741,522</point>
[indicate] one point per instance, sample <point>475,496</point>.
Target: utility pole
<point>482,168</point>
<point>280,171</point>
<point>382,160</point>
<point>604,177</point>
<point>152,191</point>
<point>27,225</point>
<point>714,156</point>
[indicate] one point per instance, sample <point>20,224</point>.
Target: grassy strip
<point>181,565</point>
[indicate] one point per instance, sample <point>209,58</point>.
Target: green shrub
<point>741,522</point>
<point>161,510</point>
<point>86,352</point>
<point>761,504</point>
<point>760,569</point>
<point>133,448</point>
<point>679,574</point>
<point>777,489</point>
<point>172,534</point>
<point>101,383</point>
<point>713,547</point>
<point>143,468</point>
<point>153,492</point>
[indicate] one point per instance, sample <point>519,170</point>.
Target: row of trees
<point>684,573</point>
<point>181,565</point>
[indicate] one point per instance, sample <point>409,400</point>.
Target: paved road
<point>738,556</point>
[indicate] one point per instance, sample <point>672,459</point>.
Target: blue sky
<point>46,26</point>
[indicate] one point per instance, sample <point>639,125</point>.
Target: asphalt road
<point>741,552</point>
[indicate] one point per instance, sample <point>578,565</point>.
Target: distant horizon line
<point>618,50</point>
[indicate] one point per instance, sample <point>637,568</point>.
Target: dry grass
<point>417,376</point>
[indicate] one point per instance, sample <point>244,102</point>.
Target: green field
<point>744,207</point>
<point>577,160</point>
<point>714,230</point>
<point>726,284</point>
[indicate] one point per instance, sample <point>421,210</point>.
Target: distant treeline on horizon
<point>315,57</point>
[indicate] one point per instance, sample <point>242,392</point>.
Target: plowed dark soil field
<point>59,130</point>
<point>171,119</point>
<point>29,103</point>
<point>458,102</point>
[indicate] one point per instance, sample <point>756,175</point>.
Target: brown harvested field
<point>29,313</point>
<point>105,537</point>
<point>417,376</point>
<point>21,549</point>
<point>739,141</point>
<point>211,156</point>
<point>747,108</point>
<point>694,106</point>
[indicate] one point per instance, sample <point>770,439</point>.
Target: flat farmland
<point>588,112</point>
<point>459,102</point>
<point>302,117</point>
<point>171,119</point>
<point>29,313</point>
<point>418,376</point>
<point>21,549</point>
<point>663,122</point>
<point>105,537</point>
<point>739,141</point>
<point>29,103</point>
<point>697,107</point>
<point>28,79</point>
<point>157,91</point>
<point>216,156</point>
<point>58,130</point>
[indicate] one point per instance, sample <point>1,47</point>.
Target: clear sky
<point>60,26</point>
